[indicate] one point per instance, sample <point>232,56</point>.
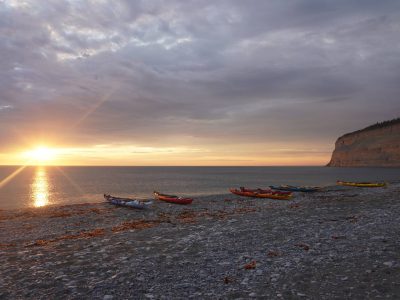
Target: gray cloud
<point>199,71</point>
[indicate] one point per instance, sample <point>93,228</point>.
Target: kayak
<point>172,198</point>
<point>265,191</point>
<point>361,184</point>
<point>296,188</point>
<point>260,195</point>
<point>127,202</point>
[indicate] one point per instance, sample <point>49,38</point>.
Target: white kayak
<point>127,202</point>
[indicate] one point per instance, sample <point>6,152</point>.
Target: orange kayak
<point>260,195</point>
<point>265,191</point>
<point>172,198</point>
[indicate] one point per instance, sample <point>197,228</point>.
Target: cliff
<point>375,146</point>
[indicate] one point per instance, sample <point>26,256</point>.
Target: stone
<point>252,295</point>
<point>389,263</point>
<point>301,294</point>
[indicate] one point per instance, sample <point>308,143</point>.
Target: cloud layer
<point>196,73</point>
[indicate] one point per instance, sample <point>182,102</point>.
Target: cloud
<point>196,72</point>
<point>4,107</point>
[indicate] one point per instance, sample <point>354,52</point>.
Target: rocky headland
<point>375,146</point>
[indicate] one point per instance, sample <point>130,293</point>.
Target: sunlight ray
<point>105,98</point>
<point>11,176</point>
<point>73,183</point>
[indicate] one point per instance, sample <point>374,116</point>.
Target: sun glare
<point>40,155</point>
<point>40,188</point>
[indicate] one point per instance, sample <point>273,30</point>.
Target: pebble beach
<point>342,243</point>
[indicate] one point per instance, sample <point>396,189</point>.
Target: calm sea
<point>40,186</point>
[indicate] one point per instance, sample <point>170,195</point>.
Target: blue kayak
<point>292,188</point>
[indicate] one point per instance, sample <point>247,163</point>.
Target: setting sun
<point>40,155</point>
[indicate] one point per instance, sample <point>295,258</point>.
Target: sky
<point>193,82</point>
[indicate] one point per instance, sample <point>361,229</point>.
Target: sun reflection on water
<point>40,188</point>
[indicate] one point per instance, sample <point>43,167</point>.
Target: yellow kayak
<point>361,184</point>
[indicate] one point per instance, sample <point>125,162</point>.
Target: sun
<point>40,155</point>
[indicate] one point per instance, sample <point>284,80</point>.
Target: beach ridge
<point>339,243</point>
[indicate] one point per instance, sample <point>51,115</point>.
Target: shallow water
<point>40,186</point>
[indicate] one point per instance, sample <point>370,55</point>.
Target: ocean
<point>41,186</point>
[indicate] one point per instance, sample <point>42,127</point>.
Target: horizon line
<point>150,166</point>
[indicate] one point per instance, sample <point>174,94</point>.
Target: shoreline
<point>196,197</point>
<point>340,243</point>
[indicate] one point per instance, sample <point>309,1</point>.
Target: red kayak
<point>172,198</point>
<point>264,191</point>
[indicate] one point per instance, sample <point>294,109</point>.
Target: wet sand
<point>339,244</point>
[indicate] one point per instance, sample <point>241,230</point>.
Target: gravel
<point>342,243</point>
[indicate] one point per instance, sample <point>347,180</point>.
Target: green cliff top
<point>375,126</point>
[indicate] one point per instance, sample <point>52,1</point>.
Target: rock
<point>108,297</point>
<point>389,263</point>
<point>379,237</point>
<point>301,294</point>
